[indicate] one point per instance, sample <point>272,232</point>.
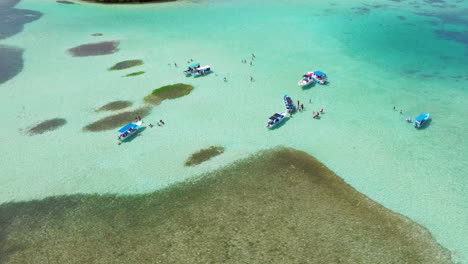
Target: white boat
<point>275,119</point>
<point>201,70</point>
<point>129,129</point>
<point>306,79</point>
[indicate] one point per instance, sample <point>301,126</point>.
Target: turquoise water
<point>378,54</point>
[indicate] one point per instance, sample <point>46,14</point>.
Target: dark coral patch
<point>134,74</point>
<point>281,206</point>
<point>95,49</point>
<point>12,20</point>
<point>126,64</point>
<point>97,34</point>
<point>11,62</point>
<point>113,106</point>
<point>401,17</point>
<point>65,2</point>
<point>117,120</point>
<point>204,155</point>
<point>361,10</point>
<point>458,36</point>
<point>168,92</point>
<point>47,125</point>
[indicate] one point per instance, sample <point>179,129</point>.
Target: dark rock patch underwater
<point>47,125</point>
<point>11,62</point>
<point>95,49</point>
<point>280,206</point>
<point>113,106</point>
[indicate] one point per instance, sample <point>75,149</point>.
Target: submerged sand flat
<point>281,206</point>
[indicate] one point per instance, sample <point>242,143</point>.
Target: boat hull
<point>421,120</point>
<point>280,119</point>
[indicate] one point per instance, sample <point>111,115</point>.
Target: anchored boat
<point>288,103</point>
<point>319,77</point>
<point>306,79</point>
<point>192,68</point>
<point>128,130</point>
<point>202,71</point>
<point>275,119</point>
<point>420,120</point>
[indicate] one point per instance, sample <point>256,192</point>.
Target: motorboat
<point>129,129</point>
<point>319,77</point>
<point>288,103</point>
<point>275,119</point>
<point>191,68</point>
<point>306,80</point>
<point>202,70</point>
<point>420,120</point>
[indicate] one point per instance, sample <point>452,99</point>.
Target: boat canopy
<point>127,127</point>
<point>319,73</point>
<point>193,65</point>
<point>421,117</point>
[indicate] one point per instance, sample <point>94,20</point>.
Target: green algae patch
<point>204,155</point>
<point>47,125</point>
<point>168,92</point>
<point>126,64</point>
<point>117,120</point>
<point>114,106</point>
<point>134,74</point>
<point>279,206</point>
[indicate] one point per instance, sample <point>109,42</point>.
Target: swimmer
<point>408,119</point>
<point>394,108</point>
<point>401,112</point>
<point>321,110</point>
<point>251,78</point>
<point>225,79</point>
<point>251,63</point>
<point>253,55</point>
<point>151,125</point>
<point>159,124</point>
<point>162,122</point>
<point>175,64</point>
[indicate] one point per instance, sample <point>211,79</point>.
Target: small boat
<point>420,120</point>
<point>275,119</point>
<point>191,68</point>
<point>128,130</point>
<point>319,77</point>
<point>288,103</point>
<point>202,70</point>
<point>306,79</point>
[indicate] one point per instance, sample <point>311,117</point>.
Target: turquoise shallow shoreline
<point>378,54</point>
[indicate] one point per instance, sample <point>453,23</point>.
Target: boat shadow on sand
<point>203,75</point>
<point>133,136</point>
<point>285,120</point>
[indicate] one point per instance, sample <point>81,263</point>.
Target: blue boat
<point>128,130</point>
<point>420,120</point>
<point>192,68</point>
<point>319,77</point>
<point>288,103</point>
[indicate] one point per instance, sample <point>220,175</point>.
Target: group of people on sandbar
<point>160,123</point>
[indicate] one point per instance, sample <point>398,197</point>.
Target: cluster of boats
<point>276,118</point>
<point>312,77</point>
<point>195,69</point>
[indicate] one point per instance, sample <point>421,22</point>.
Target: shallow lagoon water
<point>375,60</point>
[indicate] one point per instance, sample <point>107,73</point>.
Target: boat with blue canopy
<point>420,120</point>
<point>191,68</point>
<point>129,129</point>
<point>319,77</point>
